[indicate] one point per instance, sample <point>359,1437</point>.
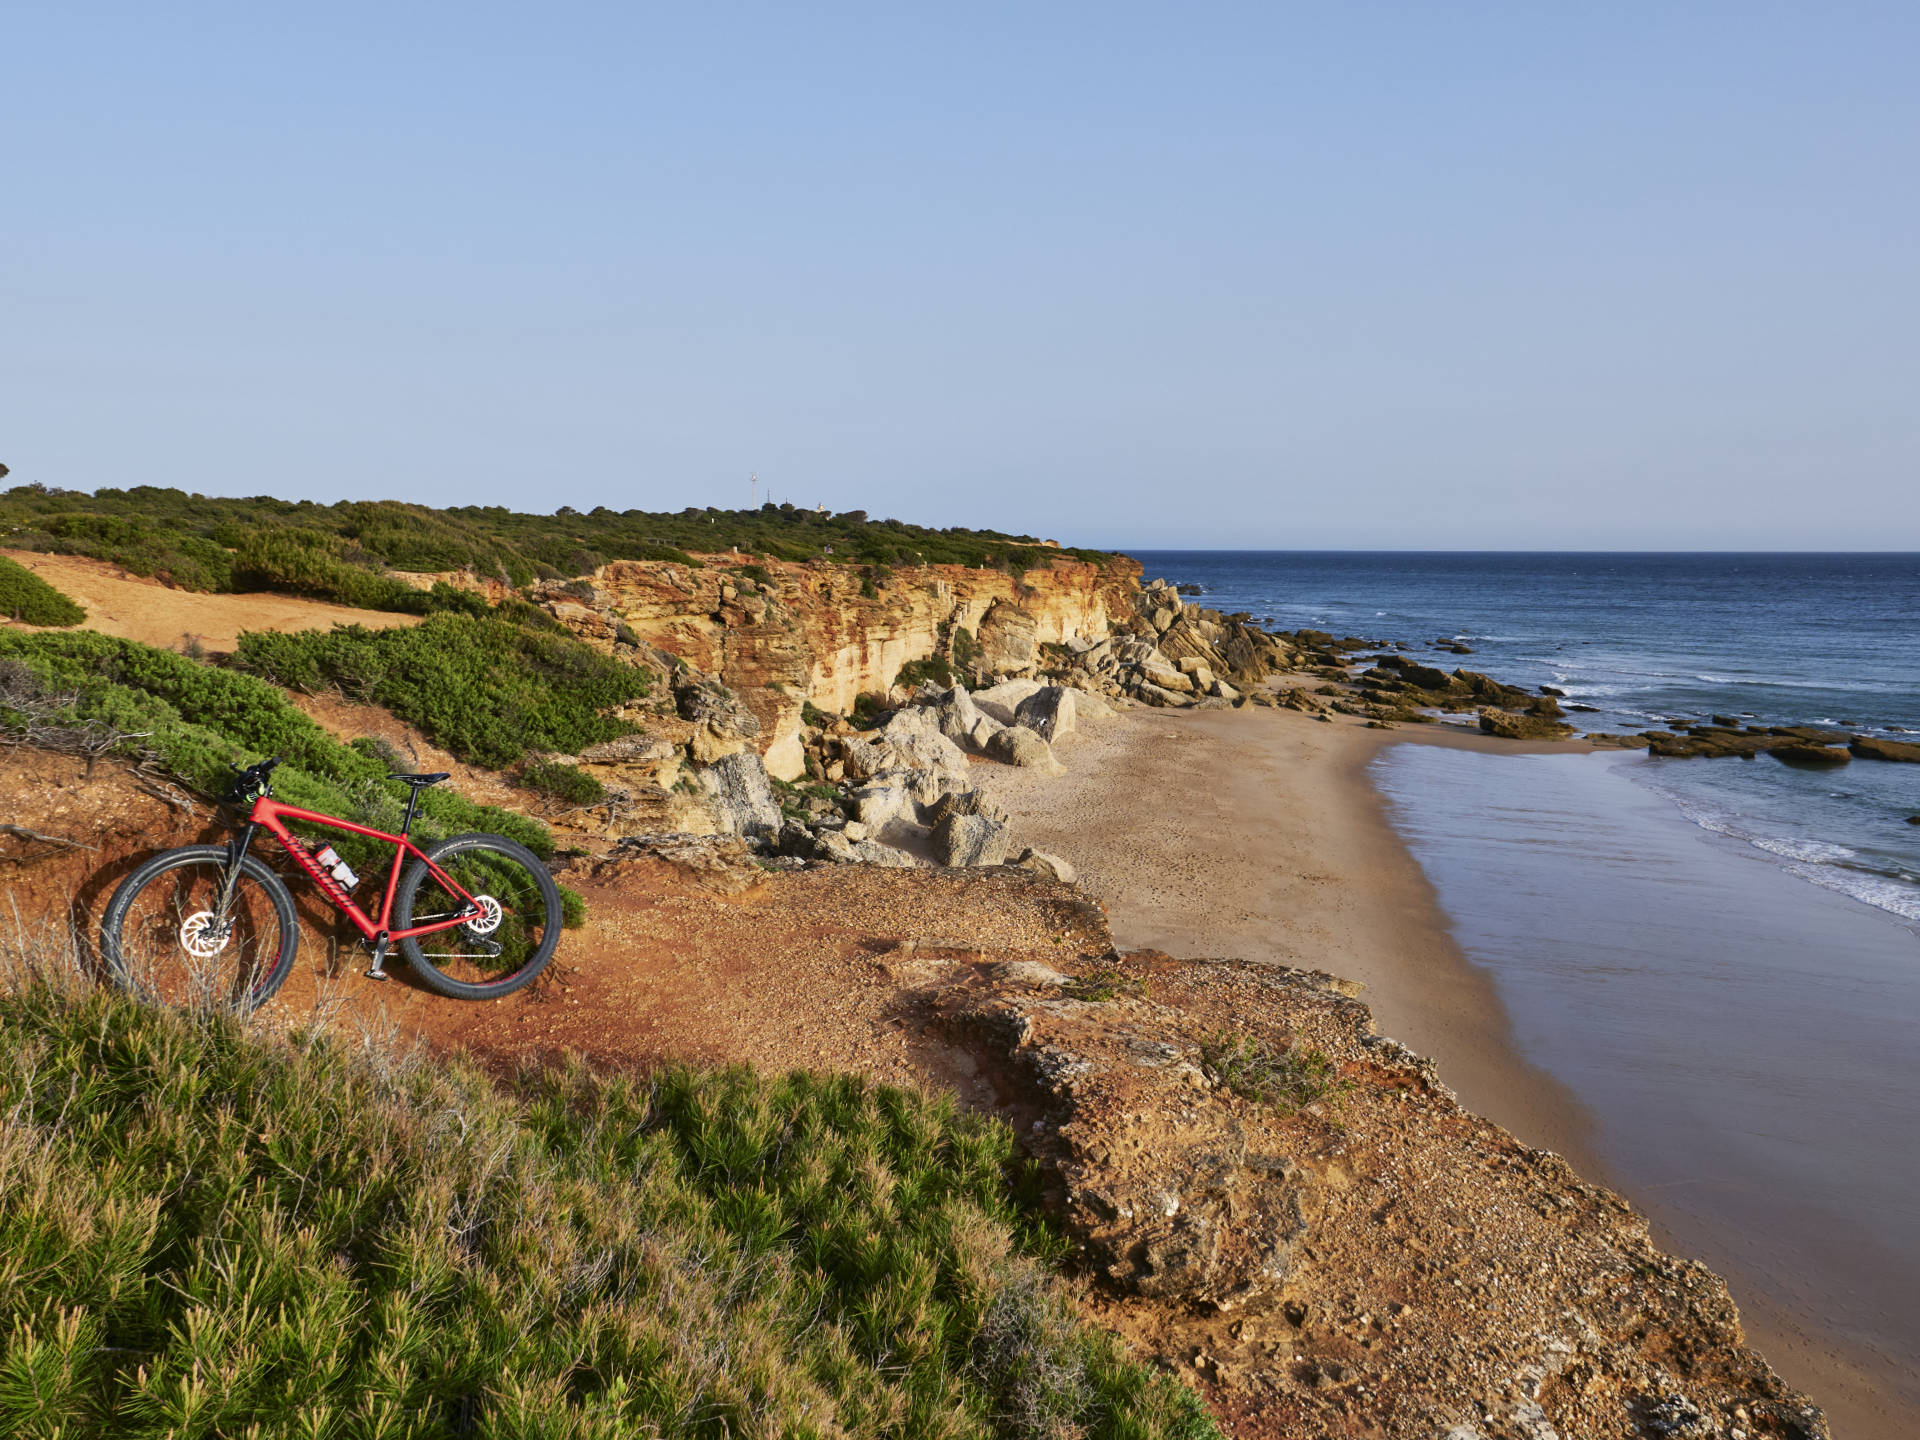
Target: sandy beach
<point>1258,835</point>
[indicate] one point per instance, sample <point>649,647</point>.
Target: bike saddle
<point>422,781</point>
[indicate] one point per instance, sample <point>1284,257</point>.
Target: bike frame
<point>269,814</point>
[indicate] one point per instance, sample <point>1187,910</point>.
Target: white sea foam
<point>1818,861</point>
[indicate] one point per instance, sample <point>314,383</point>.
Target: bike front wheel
<point>166,937</point>
<point>505,947</point>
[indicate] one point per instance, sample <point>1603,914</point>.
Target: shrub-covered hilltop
<point>207,1232</point>
<point>340,552</point>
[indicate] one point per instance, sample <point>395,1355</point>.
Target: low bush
<point>489,689</point>
<point>199,722</point>
<point>209,1232</point>
<point>1284,1078</point>
<point>25,597</point>
<point>559,781</point>
<point>932,670</point>
<point>964,649</point>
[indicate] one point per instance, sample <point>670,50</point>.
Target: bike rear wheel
<point>165,937</point>
<point>508,945</point>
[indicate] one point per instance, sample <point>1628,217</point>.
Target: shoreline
<point>1261,836</point>
<point>1324,883</point>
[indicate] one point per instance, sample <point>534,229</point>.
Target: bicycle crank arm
<point>378,971</point>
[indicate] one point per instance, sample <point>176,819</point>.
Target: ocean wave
<point>1812,852</point>
<point>1822,863</point>
<point>1896,897</point>
<point>1840,687</point>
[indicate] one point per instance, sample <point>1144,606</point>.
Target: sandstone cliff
<point>781,635</point>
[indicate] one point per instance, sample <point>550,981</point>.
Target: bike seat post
<point>413,799</point>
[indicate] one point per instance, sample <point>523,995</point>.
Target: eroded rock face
<point>742,799</point>
<point>808,633</point>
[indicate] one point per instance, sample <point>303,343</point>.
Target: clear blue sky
<point>1453,275</point>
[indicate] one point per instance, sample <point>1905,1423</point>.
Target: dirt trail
<point>145,610</point>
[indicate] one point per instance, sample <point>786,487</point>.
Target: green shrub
<point>559,781</point>
<point>211,1233</point>
<point>25,597</point>
<point>932,670</point>
<point>200,722</point>
<point>488,689</point>
<point>964,649</point>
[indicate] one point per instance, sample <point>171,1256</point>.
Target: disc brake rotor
<point>488,920</point>
<point>203,936</point>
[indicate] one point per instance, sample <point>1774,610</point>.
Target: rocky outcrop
<point>1510,726</point>
<point>1295,1211</point>
<point>1868,747</point>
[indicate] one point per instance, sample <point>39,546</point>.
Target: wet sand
<point>1259,835</point>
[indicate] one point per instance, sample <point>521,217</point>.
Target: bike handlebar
<point>251,781</point>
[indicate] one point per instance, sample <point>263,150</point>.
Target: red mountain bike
<point>477,916</point>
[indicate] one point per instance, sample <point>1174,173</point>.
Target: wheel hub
<point>203,935</point>
<point>488,920</point>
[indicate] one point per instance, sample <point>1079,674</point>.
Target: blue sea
<point>1651,640</point>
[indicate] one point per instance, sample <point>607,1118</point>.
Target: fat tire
<point>422,963</point>
<point>113,920</point>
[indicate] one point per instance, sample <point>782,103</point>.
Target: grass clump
<point>490,689</point>
<point>211,1232</point>
<point>25,597</point>
<point>1106,983</point>
<point>1286,1079</point>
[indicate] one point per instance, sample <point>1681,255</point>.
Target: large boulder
<point>1000,701</point>
<point>1509,726</point>
<point>936,763</point>
<point>960,840</point>
<point>964,722</point>
<point>1017,745</point>
<point>877,806</point>
<point>742,796</point>
<point>1048,712</point>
